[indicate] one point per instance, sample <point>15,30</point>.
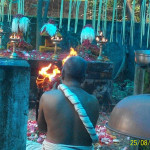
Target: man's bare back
<point>63,123</point>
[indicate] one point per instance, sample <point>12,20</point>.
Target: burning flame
<point>14,37</point>
<point>72,53</point>
<point>49,74</point>
<point>1,30</point>
<point>52,74</point>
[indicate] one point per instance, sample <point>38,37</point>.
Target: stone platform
<point>98,80</point>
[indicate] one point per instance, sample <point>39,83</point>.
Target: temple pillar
<point>142,79</point>
<point>14,99</point>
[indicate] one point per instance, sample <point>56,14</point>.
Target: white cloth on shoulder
<point>51,146</point>
<point>30,145</point>
<point>81,112</point>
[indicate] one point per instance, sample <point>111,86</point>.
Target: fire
<point>14,36</point>
<point>51,74</point>
<point>47,75</point>
<point>53,71</point>
<point>72,53</point>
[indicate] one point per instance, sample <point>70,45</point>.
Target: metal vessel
<point>142,57</point>
<point>131,117</point>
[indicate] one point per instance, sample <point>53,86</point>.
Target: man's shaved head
<point>74,69</point>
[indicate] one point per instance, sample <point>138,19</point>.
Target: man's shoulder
<point>52,92</point>
<point>51,96</point>
<point>91,97</point>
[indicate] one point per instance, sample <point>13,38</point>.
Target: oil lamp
<point>14,39</point>
<point>56,39</point>
<point>100,40</point>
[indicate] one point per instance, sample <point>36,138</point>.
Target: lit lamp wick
<point>101,33</point>
<point>100,40</point>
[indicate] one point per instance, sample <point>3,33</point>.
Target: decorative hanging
<point>74,2</point>
<point>99,15</point>
<point>116,26</point>
<point>124,21</point>
<point>2,5</point>
<point>49,29</point>
<point>20,23</point>
<point>132,23</point>
<point>143,8</point>
<point>9,11</point>
<point>87,33</point>
<point>94,13</point>
<point>61,14</point>
<point>148,41</point>
<point>21,7</point>
<point>24,24</point>
<point>9,4</point>
<point>77,14</point>
<point>69,15</point>
<point>0,12</point>
<point>103,15</point>
<point>85,11</point>
<point>112,26</point>
<point>105,20</point>
<point>144,15</point>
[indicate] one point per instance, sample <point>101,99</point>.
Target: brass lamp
<point>100,40</point>
<point>14,38</point>
<point>56,39</point>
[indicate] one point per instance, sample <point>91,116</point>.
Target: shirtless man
<point>57,116</point>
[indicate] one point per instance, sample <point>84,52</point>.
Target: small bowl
<point>142,57</point>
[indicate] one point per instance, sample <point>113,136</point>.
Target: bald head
<point>74,69</point>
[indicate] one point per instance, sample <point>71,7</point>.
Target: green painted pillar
<point>141,86</point>
<point>142,80</point>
